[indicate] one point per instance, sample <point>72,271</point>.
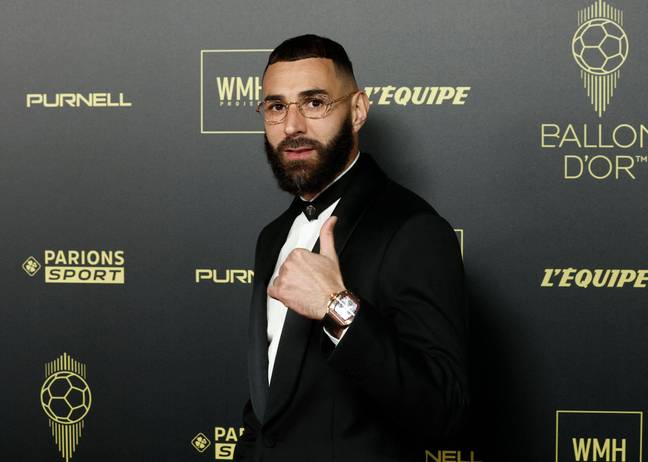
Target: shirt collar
<point>327,196</point>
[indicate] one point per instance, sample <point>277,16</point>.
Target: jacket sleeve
<point>407,351</point>
<point>245,444</point>
<point>244,451</point>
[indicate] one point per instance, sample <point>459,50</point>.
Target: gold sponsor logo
<point>586,278</point>
<point>599,152</point>
<point>200,442</point>
<point>597,166</point>
<point>31,266</point>
<point>600,47</point>
<point>227,276</point>
<point>599,436</point>
<point>603,449</point>
<point>417,95</point>
<point>79,266</point>
<point>447,455</point>
<point>225,439</point>
<point>76,100</point>
<point>66,399</point>
<point>227,100</point>
<point>238,91</point>
<point>623,136</point>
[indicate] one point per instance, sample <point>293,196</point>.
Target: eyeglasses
<point>311,107</point>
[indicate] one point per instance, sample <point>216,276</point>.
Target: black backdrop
<point>130,147</point>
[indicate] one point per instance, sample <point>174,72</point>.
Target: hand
<point>306,280</point>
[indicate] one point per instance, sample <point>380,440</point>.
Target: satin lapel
<point>297,329</point>
<point>290,354</point>
<point>356,198</point>
<point>267,254</point>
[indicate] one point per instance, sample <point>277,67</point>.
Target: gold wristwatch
<point>342,307</point>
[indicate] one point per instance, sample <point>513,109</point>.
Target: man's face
<point>307,154</point>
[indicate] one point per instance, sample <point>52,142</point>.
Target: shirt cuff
<point>333,339</point>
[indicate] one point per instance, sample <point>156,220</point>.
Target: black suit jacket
<point>396,382</point>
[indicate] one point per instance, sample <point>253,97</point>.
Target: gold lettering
<point>546,281</point>
<point>632,131</point>
<point>446,93</point>
<point>86,100</point>
<point>66,99</point>
<point>642,278</point>
<point>627,275</point>
<point>99,99</point>
<point>567,277</point>
<point>461,95</point>
<point>201,274</point>
<point>34,98</point>
<point>544,134</point>
<point>581,448</point>
<point>569,136</point>
<point>49,256</point>
<point>600,137</point>
<point>625,167</point>
<point>580,171</point>
<point>122,102</point>
<point>602,452</point>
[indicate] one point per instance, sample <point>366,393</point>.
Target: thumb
<point>327,244</point>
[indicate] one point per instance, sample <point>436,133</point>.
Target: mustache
<point>295,143</point>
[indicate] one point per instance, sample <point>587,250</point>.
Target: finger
<point>327,242</point>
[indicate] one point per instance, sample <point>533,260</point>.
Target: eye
<point>315,103</point>
<point>275,107</point>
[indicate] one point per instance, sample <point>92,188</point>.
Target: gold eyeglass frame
<point>327,111</point>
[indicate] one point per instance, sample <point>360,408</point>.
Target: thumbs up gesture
<point>306,279</point>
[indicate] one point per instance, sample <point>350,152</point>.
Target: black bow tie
<point>312,209</point>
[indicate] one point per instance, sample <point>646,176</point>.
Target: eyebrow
<point>302,94</point>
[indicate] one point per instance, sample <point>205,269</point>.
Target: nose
<point>295,122</point>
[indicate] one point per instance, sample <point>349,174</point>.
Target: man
<point>357,323</point>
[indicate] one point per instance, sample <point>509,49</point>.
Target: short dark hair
<point>313,46</point>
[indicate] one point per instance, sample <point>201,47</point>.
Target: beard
<point>310,176</point>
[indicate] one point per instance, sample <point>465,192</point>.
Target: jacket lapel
<point>267,254</point>
<point>297,329</point>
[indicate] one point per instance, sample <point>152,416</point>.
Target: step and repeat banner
<point>133,185</point>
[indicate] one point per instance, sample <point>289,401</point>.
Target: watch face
<point>346,308</point>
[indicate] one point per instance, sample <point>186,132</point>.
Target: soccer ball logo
<point>65,397</point>
<point>600,46</point>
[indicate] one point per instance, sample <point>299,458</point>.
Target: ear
<point>359,110</point>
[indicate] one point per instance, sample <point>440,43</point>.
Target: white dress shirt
<point>303,234</point>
